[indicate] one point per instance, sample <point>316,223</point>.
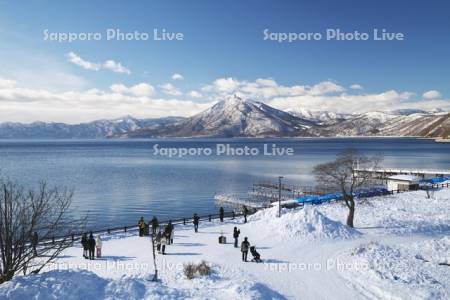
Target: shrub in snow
<point>189,270</point>
<point>192,270</point>
<point>203,268</point>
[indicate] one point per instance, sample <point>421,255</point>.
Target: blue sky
<point>225,40</point>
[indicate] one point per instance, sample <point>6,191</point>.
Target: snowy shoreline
<point>395,251</point>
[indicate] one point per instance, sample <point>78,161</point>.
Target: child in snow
<point>98,245</point>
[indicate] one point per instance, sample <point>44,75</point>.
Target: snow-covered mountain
<point>234,117</point>
<point>91,130</point>
<point>237,117</point>
<point>319,117</point>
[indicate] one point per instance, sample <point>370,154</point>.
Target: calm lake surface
<point>117,181</point>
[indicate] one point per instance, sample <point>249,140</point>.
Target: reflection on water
<point>118,181</point>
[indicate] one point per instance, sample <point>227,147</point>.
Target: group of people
<point>90,244</point>
<point>245,247</point>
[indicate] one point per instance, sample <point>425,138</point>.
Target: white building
<point>403,183</point>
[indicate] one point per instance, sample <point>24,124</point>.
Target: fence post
<point>109,231</point>
<point>73,237</point>
<point>233,215</point>
<point>53,240</point>
<point>209,218</point>
<point>125,228</point>
<point>184,221</point>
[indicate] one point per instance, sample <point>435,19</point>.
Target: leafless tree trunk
<point>155,277</point>
<point>342,175</point>
<point>35,227</point>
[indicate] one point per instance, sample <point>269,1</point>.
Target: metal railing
<point>210,217</point>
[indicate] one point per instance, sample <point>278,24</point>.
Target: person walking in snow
<point>221,214</point>
<point>164,241</point>
<point>141,225</point>
<point>168,231</point>
<point>158,241</point>
<point>155,224</point>
<point>98,245</point>
<point>91,245</point>
<point>171,232</point>
<point>196,222</point>
<point>85,245</point>
<point>244,249</point>
<point>34,242</point>
<point>236,233</point>
<point>245,211</point>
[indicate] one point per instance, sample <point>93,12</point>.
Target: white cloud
<point>22,104</point>
<point>77,60</point>
<point>225,84</point>
<point>115,67</point>
<point>432,94</point>
<point>194,94</point>
<point>7,83</point>
<point>27,105</point>
<point>325,87</point>
<point>177,76</point>
<point>356,87</point>
<point>138,90</point>
<point>110,65</point>
<point>170,89</point>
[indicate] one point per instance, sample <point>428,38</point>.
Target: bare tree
<point>155,276</point>
<point>345,174</point>
<point>35,227</point>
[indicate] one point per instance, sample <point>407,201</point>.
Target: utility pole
<point>279,195</point>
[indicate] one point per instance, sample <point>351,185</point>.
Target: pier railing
<point>208,218</point>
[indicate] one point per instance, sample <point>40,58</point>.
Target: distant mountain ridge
<point>92,130</point>
<point>237,117</point>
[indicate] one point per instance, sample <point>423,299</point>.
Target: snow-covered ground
<point>399,249</point>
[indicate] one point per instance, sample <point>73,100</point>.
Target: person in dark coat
<point>158,241</point>
<point>91,245</point>
<point>236,233</point>
<point>244,249</point>
<point>84,244</point>
<point>34,242</point>
<point>245,211</point>
<point>155,224</point>
<point>169,232</point>
<point>141,225</point>
<point>164,241</point>
<point>196,222</point>
<point>221,214</point>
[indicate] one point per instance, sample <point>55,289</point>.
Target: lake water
<point>117,181</point>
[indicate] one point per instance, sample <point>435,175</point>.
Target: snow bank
<point>83,284</point>
<point>400,214</point>
<point>409,271</point>
<point>307,223</point>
